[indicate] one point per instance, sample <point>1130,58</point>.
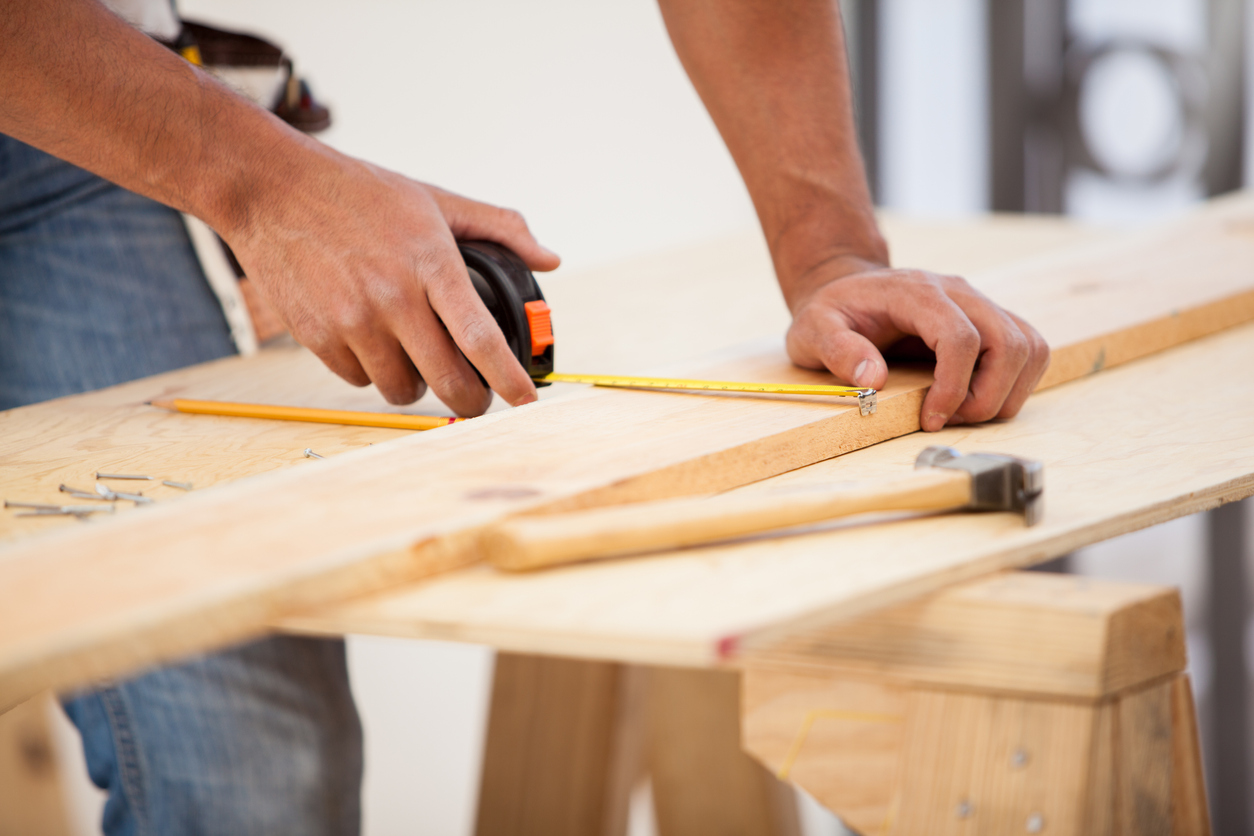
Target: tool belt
<point>255,68</point>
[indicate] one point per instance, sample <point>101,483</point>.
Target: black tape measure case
<point>512,296</point>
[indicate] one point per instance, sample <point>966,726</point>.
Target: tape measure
<point>513,297</point>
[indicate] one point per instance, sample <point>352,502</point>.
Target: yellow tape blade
<point>866,397</point>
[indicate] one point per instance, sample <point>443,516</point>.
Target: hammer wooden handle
<point>550,540</point>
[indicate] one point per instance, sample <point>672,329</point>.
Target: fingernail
<point>526,399</point>
<point>935,420</point>
<point>862,374</point>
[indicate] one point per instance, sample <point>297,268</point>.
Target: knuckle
<point>400,394</point>
<point>513,218</point>
<point>350,319</point>
<point>965,339</point>
<point>427,263</point>
<point>478,336</point>
<point>1018,346</point>
<point>459,391</point>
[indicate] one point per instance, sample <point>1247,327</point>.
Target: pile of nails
<point>102,493</point>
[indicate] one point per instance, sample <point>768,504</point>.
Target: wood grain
<point>217,565</point>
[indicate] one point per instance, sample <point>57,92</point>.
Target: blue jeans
<point>99,286</point>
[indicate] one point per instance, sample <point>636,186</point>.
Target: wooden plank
<point>268,545</point>
<point>600,327</point>
<point>1110,469</point>
<point>1110,302</point>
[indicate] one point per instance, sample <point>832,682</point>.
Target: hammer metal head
<point>998,483</point>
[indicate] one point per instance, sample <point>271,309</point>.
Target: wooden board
<point>600,317</point>
<point>97,600</point>
<point>1120,453</point>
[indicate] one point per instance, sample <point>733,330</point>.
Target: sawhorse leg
<point>569,740</point>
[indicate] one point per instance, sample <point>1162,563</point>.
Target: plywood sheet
<point>215,566</point>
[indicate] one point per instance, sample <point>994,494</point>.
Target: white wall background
<point>579,115</point>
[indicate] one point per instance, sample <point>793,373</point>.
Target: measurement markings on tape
<point>865,397</point>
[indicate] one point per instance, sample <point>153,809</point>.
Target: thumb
<point>469,219</point>
<point>831,344</point>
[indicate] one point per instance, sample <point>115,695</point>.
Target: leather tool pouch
<point>257,69</point>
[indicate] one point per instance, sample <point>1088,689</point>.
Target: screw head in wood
<point>1036,823</point>
<point>1018,759</point>
<point>965,809</point>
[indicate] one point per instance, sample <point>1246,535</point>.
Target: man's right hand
<point>362,266</point>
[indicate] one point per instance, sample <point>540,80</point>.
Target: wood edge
<point>213,624</point>
<point>1189,810</point>
<point>1144,642</point>
<point>1077,360</point>
<point>780,453</point>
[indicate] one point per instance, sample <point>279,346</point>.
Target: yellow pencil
<point>299,413</point>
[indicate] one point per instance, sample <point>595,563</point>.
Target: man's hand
<point>361,264</point>
<point>365,272</point>
<point>774,76</point>
<point>987,359</point>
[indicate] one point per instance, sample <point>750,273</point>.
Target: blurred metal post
<point>862,42</point>
<point>1227,743</point>
<point>1027,44</point>
<point>1227,747</point>
<point>1225,100</point>
<point>1008,105</point>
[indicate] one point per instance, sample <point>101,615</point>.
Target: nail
<point>80,494</point>
<point>183,486</point>
<point>100,475</point>
<point>310,454</point>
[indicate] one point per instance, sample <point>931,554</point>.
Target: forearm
<point>774,76</point>
<point>80,83</point>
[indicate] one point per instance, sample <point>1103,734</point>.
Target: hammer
<point>944,480</point>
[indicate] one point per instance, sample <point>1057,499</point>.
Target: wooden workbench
<point>1110,468</point>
